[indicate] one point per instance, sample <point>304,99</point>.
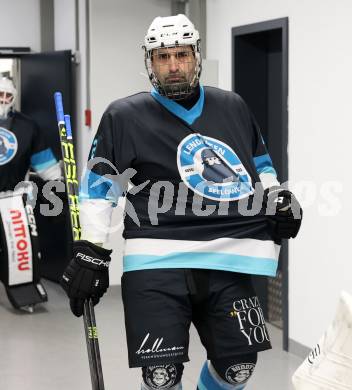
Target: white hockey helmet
<point>173,31</point>
<point>8,94</point>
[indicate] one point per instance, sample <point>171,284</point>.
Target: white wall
<point>117,31</point>
<point>320,84</point>
<point>65,39</point>
<point>118,28</point>
<point>20,23</point>
<point>81,84</point>
<point>65,25</point>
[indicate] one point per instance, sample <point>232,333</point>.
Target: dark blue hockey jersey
<point>194,174</point>
<point>23,146</point>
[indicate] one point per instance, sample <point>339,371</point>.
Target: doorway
<point>37,76</point>
<point>260,76</point>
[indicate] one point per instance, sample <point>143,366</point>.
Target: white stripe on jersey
<point>239,246</point>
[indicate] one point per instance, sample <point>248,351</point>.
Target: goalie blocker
<point>19,251</point>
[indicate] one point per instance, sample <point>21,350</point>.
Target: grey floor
<point>46,350</point>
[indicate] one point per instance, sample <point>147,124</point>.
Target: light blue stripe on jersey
<point>263,164</point>
<point>43,160</point>
<point>205,260</point>
<point>94,186</point>
<point>189,116</point>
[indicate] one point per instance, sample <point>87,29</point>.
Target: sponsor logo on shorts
<point>249,316</point>
<point>149,350</point>
<point>239,373</point>
<point>161,376</point>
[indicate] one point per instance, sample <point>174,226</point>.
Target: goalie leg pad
<point>19,252</point>
<point>162,376</point>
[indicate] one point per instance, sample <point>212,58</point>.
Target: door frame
<point>283,24</point>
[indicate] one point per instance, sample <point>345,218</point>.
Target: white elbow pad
<point>51,173</point>
<point>95,218</point>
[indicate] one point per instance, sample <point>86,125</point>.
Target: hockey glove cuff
<point>87,275</point>
<point>284,213</point>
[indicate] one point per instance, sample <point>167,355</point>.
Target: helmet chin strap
<point>179,91</point>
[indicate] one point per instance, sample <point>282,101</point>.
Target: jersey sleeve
<point>42,159</point>
<point>262,161</point>
<point>261,158</point>
<point>105,178</point>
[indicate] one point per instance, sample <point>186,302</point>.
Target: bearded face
<point>175,69</point>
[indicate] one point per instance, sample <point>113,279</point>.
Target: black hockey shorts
<point>160,305</point>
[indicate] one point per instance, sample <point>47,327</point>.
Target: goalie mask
<point>8,95</point>
<point>172,56</point>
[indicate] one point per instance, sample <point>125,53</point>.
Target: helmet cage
<point>175,91</point>
<point>8,94</point>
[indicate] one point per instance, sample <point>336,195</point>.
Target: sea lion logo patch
<point>212,169</point>
<point>239,373</point>
<point>161,376</point>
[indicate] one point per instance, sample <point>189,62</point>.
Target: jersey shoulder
<point>130,104</point>
<point>229,101</point>
<point>222,94</point>
<point>19,116</point>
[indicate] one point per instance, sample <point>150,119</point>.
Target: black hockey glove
<point>87,275</point>
<point>284,213</point>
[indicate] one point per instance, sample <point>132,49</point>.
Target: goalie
<point>22,147</point>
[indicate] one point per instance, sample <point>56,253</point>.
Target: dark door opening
<point>37,77</point>
<point>260,76</point>
<point>42,74</point>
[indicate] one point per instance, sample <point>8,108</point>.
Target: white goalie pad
<point>329,365</point>
<point>18,240</point>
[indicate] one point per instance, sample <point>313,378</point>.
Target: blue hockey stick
<point>72,188</point>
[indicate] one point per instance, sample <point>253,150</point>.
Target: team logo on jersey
<point>239,373</point>
<point>161,376</point>
<point>8,146</point>
<point>212,169</point>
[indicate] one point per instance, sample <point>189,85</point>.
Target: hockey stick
<point>71,180</point>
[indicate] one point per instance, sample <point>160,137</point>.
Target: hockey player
<point>21,143</point>
<point>189,145</point>
<point>22,147</point>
